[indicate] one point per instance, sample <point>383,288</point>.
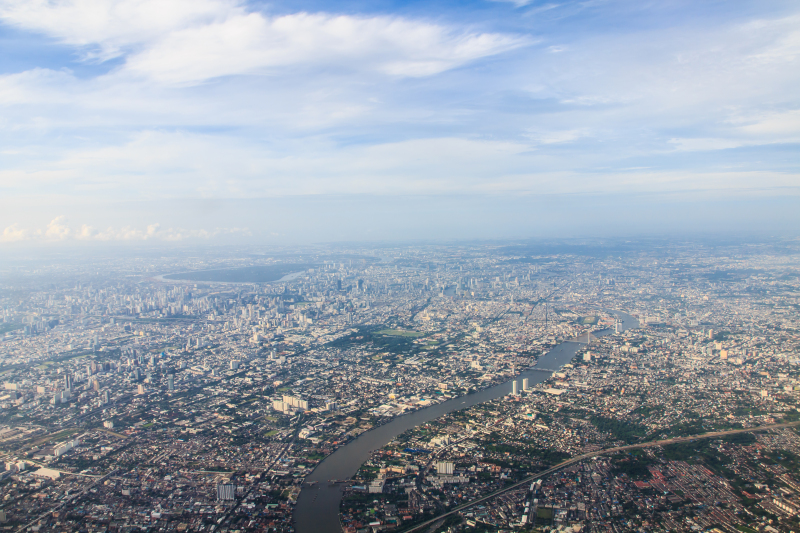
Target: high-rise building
<point>95,385</point>
<point>106,399</point>
<point>295,402</point>
<point>140,389</point>
<point>514,387</point>
<point>226,491</point>
<point>68,383</point>
<point>525,384</point>
<point>445,468</point>
<point>171,382</point>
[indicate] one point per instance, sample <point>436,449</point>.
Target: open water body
<point>254,274</point>
<point>317,509</point>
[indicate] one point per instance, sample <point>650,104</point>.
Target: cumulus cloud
<point>14,233</point>
<point>58,230</point>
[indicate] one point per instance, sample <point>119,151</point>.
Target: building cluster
<point>136,400</point>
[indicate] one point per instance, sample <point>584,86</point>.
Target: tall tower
<point>514,387</point>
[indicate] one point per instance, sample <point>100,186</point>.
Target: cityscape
<point>512,386</point>
<point>399,266</point>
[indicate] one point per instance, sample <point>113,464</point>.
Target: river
<point>317,509</point>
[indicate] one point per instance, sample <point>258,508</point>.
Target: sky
<point>164,121</point>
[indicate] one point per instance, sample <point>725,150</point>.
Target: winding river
<point>317,509</point>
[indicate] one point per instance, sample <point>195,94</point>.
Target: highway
<point>579,458</point>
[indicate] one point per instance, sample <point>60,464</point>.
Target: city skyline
<point>506,386</point>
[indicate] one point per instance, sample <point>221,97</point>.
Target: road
<point>65,502</point>
<point>584,456</point>
<point>261,477</point>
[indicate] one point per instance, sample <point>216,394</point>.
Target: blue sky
<point>125,120</point>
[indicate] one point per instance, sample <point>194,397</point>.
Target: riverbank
<point>317,509</point>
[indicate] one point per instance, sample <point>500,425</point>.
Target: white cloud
<point>704,144</point>
<point>775,125</point>
<point>14,233</point>
<point>163,166</point>
<point>108,27</point>
<point>755,130</point>
<point>557,137</point>
<point>311,116</point>
<point>255,43</point>
<point>58,230</point>
<point>183,42</point>
<point>517,3</point>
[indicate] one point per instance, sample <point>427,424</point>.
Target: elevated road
<point>578,458</point>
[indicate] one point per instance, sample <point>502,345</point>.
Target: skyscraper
<point>445,468</point>
<point>226,491</point>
